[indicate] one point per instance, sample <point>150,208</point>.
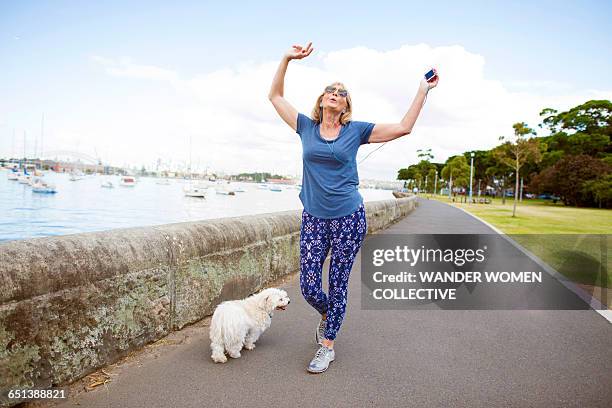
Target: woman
<point>333,215</point>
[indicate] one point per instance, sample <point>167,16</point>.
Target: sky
<point>134,82</point>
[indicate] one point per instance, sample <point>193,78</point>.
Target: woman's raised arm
<point>285,110</point>
<point>384,132</point>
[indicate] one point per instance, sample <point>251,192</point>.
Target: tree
<point>405,174</point>
<point>496,171</point>
<point>483,159</point>
<point>600,189</point>
<point>425,154</point>
<point>456,171</point>
<point>431,178</point>
<point>516,153</point>
<point>413,173</point>
<point>584,129</point>
<point>570,177</point>
<point>591,117</point>
<point>420,171</point>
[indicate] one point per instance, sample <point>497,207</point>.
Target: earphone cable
<point>382,145</point>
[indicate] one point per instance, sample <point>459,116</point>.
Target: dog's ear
<point>268,302</point>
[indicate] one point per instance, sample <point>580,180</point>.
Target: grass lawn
<point>539,217</point>
<point>543,227</point>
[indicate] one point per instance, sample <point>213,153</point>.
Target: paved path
<point>387,358</point>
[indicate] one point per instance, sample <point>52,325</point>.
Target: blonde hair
<point>317,111</point>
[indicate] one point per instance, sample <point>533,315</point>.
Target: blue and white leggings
<point>344,235</point>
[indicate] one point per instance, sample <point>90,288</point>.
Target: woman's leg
<point>347,234</point>
<point>314,246</point>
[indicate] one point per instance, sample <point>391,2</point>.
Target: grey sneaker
<point>321,360</point>
<point>320,332</point>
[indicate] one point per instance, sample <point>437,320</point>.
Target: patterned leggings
<point>344,235</point>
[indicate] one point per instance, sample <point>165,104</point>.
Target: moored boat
<point>24,178</point>
<point>224,190</point>
<point>127,181</point>
<point>76,175</point>
<point>195,191</point>
<point>42,187</point>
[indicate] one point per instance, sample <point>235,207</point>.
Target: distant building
<point>281,181</point>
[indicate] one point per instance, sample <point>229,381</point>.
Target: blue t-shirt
<point>330,180</point>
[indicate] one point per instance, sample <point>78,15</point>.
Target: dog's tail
<point>216,327</point>
<point>225,325</point>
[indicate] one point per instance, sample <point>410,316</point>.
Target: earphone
<point>373,151</point>
<point>331,148</point>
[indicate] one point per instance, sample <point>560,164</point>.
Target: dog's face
<point>275,299</point>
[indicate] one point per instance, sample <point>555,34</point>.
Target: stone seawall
<point>71,304</point>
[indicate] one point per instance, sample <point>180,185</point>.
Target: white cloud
<point>124,67</point>
<point>234,127</point>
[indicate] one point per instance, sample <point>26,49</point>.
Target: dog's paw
<point>235,355</point>
<point>219,359</point>
<point>249,346</point>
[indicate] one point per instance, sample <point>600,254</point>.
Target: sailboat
<point>76,174</point>
<point>107,184</point>
<point>194,190</point>
<point>13,174</point>
<point>25,177</point>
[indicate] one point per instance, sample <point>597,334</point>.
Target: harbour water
<point>84,206</point>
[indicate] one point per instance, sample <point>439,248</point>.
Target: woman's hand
<point>298,52</point>
<point>426,86</point>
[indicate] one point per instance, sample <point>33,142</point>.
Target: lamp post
<point>471,174</point>
<point>436,184</point>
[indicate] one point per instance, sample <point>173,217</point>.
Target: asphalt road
<point>433,358</point>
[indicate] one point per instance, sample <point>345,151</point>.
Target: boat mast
<point>189,169</point>
<point>42,134</point>
<point>25,157</point>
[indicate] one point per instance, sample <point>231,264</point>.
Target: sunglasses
<point>341,92</point>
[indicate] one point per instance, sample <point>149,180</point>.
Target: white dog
<point>238,323</point>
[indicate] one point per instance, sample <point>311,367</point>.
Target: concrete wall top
<point>33,267</point>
